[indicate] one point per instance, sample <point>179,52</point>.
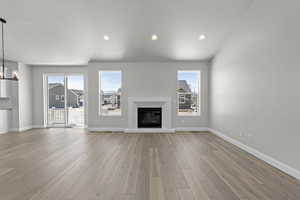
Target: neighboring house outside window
<point>184,95</point>
<point>181,98</point>
<point>57,97</point>
<point>110,90</point>
<point>188,93</point>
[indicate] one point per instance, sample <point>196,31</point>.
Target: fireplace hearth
<point>149,117</point>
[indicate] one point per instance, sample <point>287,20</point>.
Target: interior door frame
<point>46,97</point>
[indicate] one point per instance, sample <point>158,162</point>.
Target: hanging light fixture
<point>2,75</point>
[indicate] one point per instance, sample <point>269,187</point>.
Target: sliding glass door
<point>65,100</point>
<point>56,100</point>
<point>75,100</point>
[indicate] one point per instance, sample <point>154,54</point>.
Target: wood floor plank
<point>65,164</point>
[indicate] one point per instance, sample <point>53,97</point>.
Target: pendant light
<point>2,76</point>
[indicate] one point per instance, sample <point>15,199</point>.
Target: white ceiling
<point>71,31</point>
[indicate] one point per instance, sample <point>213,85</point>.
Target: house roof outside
<point>78,92</point>
<point>75,91</point>
<point>183,85</point>
<point>53,85</point>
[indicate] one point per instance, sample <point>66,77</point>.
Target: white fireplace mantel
<point>165,103</point>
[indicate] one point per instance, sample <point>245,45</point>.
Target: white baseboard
<point>149,130</point>
<point>39,126</point>
<point>3,132</point>
<point>187,129</point>
<point>106,129</point>
<point>126,130</point>
<point>26,128</point>
<point>21,129</point>
<point>43,126</point>
<point>275,163</point>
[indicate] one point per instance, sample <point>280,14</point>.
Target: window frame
<point>100,100</point>
<point>196,114</point>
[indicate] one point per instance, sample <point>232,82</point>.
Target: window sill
<point>104,115</point>
<point>188,115</point>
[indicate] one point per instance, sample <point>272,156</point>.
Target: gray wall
<point>25,96</point>
<point>4,121</point>
<point>254,82</point>
<point>146,79</point>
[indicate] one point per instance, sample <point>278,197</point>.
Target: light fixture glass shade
<point>15,75</point>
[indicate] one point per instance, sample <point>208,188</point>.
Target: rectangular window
<point>181,98</point>
<point>57,97</point>
<point>110,86</point>
<point>188,93</point>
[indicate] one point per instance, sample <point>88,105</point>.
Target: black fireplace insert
<point>149,118</point>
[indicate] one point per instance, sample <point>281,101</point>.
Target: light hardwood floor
<point>70,164</point>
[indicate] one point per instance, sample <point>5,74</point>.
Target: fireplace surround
<point>165,103</point>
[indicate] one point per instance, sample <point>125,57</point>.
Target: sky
<point>110,80</point>
<point>74,82</point>
<point>192,79</point>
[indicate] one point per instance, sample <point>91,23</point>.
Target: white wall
<point>4,121</point>
<point>255,82</point>
<point>146,79</point>
<point>6,116</point>
<point>25,96</point>
<point>38,97</point>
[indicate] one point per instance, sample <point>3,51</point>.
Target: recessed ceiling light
<point>154,37</point>
<point>202,37</point>
<point>106,37</point>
